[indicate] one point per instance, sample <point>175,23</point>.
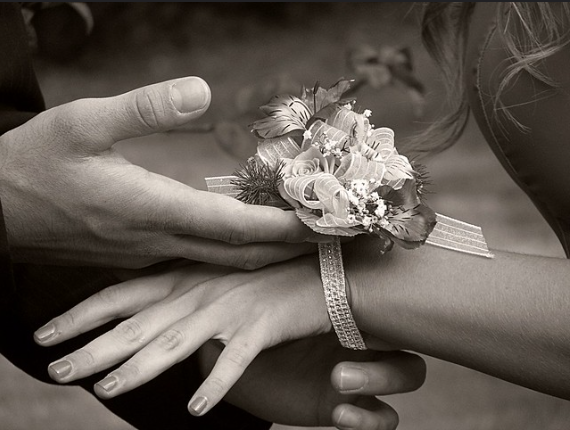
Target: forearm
<point>507,317</point>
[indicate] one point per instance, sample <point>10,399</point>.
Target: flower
<point>341,174</point>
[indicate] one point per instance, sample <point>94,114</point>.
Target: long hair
<point>532,32</point>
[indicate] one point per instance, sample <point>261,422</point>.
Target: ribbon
<point>448,233</point>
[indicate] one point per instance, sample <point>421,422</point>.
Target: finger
<point>248,256</point>
<point>223,218</point>
<point>396,373</point>
<point>114,302</point>
<point>99,123</point>
<point>125,339</point>
<point>368,414</point>
<point>175,344</point>
<point>232,362</point>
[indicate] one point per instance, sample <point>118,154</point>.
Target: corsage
<point>320,156</point>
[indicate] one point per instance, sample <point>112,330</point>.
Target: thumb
<point>96,124</point>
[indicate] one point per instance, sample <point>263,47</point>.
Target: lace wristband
<point>332,275</point>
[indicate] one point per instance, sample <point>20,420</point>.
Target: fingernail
<point>198,405</point>
<point>190,94</point>
<point>108,384</point>
<point>352,379</point>
<point>348,419</point>
<point>45,333</point>
<point>60,369</point>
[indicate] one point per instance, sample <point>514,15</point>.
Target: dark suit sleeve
<point>20,98</point>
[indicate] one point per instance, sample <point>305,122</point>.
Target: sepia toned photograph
<point>283,215</point>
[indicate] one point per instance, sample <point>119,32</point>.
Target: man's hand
<point>291,383</point>
<point>69,198</point>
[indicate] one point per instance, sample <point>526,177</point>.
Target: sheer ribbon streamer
<point>448,233</point>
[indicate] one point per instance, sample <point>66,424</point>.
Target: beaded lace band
<point>332,275</point>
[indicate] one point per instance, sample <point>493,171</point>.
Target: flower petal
<point>270,151</point>
<point>286,114</point>
<point>332,195</point>
<point>357,166</point>
<point>310,220</point>
<point>382,141</point>
<point>300,188</point>
<point>321,131</point>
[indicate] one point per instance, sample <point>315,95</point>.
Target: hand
<point>291,383</point>
<point>69,198</point>
<point>160,305</point>
<point>174,313</point>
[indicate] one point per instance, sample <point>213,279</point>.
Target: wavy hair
<point>532,32</point>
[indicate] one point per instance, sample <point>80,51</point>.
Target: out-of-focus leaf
<point>250,97</point>
<point>235,139</point>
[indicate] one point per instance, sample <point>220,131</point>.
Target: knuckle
<point>236,235</point>
<point>129,331</point>
<point>82,357</point>
<point>170,340</point>
<point>67,123</point>
<point>239,228</point>
<point>108,296</point>
<point>237,356</point>
<point>129,371</point>
<point>150,108</point>
<point>253,260</point>
<point>65,321</point>
<point>216,386</point>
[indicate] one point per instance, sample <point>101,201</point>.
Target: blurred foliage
<point>125,28</point>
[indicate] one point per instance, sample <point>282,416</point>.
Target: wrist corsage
<point>319,155</point>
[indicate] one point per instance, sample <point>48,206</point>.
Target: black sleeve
<point>20,98</point>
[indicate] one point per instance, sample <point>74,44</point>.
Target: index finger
<point>223,218</point>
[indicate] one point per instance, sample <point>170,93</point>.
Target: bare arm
<point>507,317</point>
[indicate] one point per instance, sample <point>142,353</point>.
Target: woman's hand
<point>178,311</point>
<point>70,199</point>
<point>174,313</point>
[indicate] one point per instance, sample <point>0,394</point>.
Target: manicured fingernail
<point>190,95</point>
<point>198,405</point>
<point>348,420</point>
<point>352,379</point>
<point>60,369</point>
<point>108,384</point>
<point>45,333</point>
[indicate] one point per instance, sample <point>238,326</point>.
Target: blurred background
<point>247,53</point>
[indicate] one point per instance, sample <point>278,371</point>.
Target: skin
<point>506,317</point>
<point>70,199</point>
<point>481,313</point>
<point>174,313</point>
